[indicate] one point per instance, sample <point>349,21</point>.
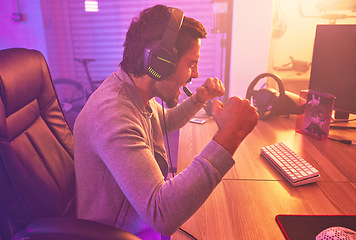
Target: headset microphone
<point>186,89</point>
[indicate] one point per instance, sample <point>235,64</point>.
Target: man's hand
<point>211,89</point>
<point>235,121</point>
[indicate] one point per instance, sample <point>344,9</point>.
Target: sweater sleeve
<point>178,116</point>
<point>172,202</point>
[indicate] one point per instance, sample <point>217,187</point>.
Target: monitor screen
<point>333,68</point>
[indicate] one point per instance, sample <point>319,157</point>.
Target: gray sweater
<point>120,162</point>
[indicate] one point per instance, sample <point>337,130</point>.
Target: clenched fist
<point>236,119</point>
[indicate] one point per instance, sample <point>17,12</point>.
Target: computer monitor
<point>333,68</point>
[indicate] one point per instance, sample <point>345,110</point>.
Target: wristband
<point>197,103</point>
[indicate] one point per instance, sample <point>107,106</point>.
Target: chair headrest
<point>18,66</point>
<point>3,129</point>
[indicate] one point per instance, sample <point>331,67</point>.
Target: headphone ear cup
<point>158,62</point>
<point>147,54</point>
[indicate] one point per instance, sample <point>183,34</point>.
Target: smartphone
<point>198,121</point>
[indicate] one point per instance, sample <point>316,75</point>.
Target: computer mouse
<point>336,233</point>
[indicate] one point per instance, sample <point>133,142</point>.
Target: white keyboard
<point>293,167</point>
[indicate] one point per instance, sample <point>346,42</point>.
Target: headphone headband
<point>172,30</point>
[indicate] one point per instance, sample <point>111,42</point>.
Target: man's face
<point>169,89</point>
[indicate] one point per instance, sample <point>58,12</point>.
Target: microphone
<point>186,89</point>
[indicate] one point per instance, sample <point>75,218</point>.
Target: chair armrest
<point>77,228</point>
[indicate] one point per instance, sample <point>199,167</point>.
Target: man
<point>120,160</point>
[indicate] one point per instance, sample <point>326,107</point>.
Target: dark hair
<point>149,27</point>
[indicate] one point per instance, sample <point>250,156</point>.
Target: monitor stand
<point>341,115</point>
<point>342,118</point>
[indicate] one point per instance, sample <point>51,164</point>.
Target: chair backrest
<point>36,144</point>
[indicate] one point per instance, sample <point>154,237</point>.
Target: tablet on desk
<point>297,227</point>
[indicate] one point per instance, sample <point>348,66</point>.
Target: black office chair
<point>37,182</point>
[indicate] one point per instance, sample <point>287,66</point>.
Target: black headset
<point>160,57</point>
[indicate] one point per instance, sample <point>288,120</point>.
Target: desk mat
<point>307,227</point>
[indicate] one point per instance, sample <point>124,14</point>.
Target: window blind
<point>100,35</point>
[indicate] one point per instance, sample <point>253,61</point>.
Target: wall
<point>294,29</point>
<point>250,40</point>
<point>250,43</point>
<point>27,33</point>
<point>58,38</point>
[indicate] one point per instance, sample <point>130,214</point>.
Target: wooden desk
<point>245,203</point>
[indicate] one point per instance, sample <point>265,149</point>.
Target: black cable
<point>344,141</point>
<point>187,233</point>
<point>170,162</point>
<point>341,126</point>
<point>167,141</point>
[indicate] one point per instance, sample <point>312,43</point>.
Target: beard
<point>171,103</point>
<point>168,93</point>
<point>172,100</point>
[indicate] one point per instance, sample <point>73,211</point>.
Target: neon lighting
<point>91,6</point>
<point>154,73</point>
<point>164,59</point>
